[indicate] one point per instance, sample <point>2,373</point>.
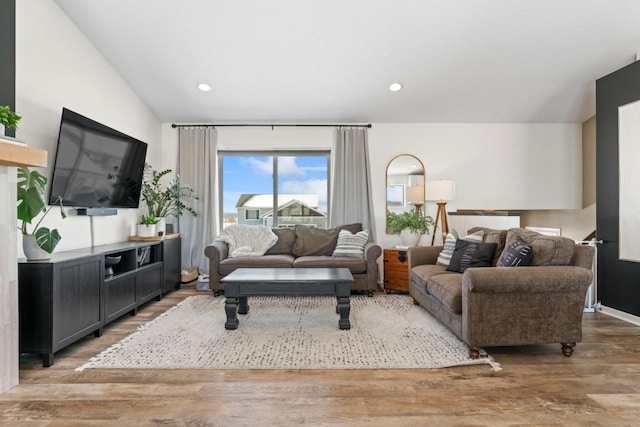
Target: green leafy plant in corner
<point>31,185</point>
<point>163,201</point>
<point>148,220</point>
<point>8,118</point>
<point>414,221</point>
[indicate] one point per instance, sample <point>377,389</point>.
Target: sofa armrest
<point>372,252</point>
<point>523,305</point>
<point>216,252</point>
<point>420,255</point>
<point>526,279</point>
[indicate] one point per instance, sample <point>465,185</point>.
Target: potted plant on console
<point>164,201</point>
<point>410,224</point>
<point>40,243</point>
<point>147,226</point>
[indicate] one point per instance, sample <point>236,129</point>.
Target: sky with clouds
<point>253,175</point>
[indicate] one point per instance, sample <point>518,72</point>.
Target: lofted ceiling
<point>313,61</point>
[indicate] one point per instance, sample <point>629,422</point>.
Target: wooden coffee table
<point>246,282</point>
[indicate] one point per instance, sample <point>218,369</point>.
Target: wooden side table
<point>396,270</point>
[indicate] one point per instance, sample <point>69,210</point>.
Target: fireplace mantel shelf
<point>21,155</point>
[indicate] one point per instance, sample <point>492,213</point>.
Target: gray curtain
<point>351,197</point>
<point>197,167</point>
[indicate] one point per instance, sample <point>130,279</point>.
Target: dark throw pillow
<point>516,254</point>
<point>471,254</point>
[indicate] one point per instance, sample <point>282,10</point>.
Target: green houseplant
<point>31,186</point>
<point>166,200</point>
<point>8,119</point>
<point>409,223</point>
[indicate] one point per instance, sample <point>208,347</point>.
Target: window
<point>274,189</point>
<point>252,214</point>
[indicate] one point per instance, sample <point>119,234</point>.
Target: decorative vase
<point>161,226</point>
<point>31,249</point>
<point>409,238</point>
<point>146,230</point>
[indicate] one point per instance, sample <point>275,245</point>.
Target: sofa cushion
<point>351,244</point>
<point>355,265</point>
<point>422,273</point>
<point>319,241</point>
<point>228,265</point>
<point>471,254</point>
<point>547,250</point>
<point>450,244</point>
<point>284,245</point>
<point>447,288</point>
<point>516,254</point>
<point>493,236</point>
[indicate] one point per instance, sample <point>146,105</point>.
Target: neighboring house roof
<point>295,208</point>
<point>265,201</point>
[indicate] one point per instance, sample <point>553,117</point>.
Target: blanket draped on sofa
<point>247,240</point>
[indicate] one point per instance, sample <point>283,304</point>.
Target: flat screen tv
<point>96,166</point>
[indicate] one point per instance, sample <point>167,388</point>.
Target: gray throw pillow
<point>351,245</point>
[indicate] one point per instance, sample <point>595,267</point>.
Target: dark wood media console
<point>67,297</point>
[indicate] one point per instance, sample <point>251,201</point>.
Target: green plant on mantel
<point>31,185</point>
<point>163,201</point>
<point>412,220</point>
<point>8,118</point>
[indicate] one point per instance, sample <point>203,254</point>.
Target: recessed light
<point>204,87</point>
<point>394,87</point>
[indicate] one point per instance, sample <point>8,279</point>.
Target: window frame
<point>274,154</point>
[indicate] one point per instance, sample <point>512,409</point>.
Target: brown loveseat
<point>299,247</point>
<point>503,306</point>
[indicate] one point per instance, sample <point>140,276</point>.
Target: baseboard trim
<point>619,314</point>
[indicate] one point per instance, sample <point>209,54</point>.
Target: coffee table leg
<point>243,307</point>
<point>231,307</point>
<point>344,308</point>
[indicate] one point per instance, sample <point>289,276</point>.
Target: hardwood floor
<point>538,386</point>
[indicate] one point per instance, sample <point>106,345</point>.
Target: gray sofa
<point>299,247</point>
<point>504,306</point>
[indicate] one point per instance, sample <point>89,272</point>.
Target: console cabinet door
<point>119,296</point>
<point>59,302</point>
<point>149,282</point>
<point>171,258</point>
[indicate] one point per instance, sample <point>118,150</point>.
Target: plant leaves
<point>47,239</point>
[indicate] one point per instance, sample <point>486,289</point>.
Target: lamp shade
<point>415,194</point>
<point>441,190</point>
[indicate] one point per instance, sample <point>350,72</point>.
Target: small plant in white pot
<point>40,242</point>
<point>147,226</point>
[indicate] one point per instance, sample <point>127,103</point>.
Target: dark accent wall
<point>618,281</point>
<point>8,55</point>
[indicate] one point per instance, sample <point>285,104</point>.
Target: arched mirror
<point>405,184</point>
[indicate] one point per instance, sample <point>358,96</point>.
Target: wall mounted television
<point>96,166</point>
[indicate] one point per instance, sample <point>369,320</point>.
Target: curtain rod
<point>368,125</point>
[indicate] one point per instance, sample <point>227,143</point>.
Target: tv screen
<point>96,166</point>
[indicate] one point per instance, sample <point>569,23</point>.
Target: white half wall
<point>56,67</point>
<point>495,166</point>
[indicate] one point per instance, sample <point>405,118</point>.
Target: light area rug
<point>387,331</point>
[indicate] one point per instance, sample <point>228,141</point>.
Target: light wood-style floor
<point>538,386</point>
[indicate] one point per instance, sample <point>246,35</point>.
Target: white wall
<point>495,166</point>
<point>56,66</point>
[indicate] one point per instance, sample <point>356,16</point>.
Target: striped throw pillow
<point>450,244</point>
<point>351,245</point>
